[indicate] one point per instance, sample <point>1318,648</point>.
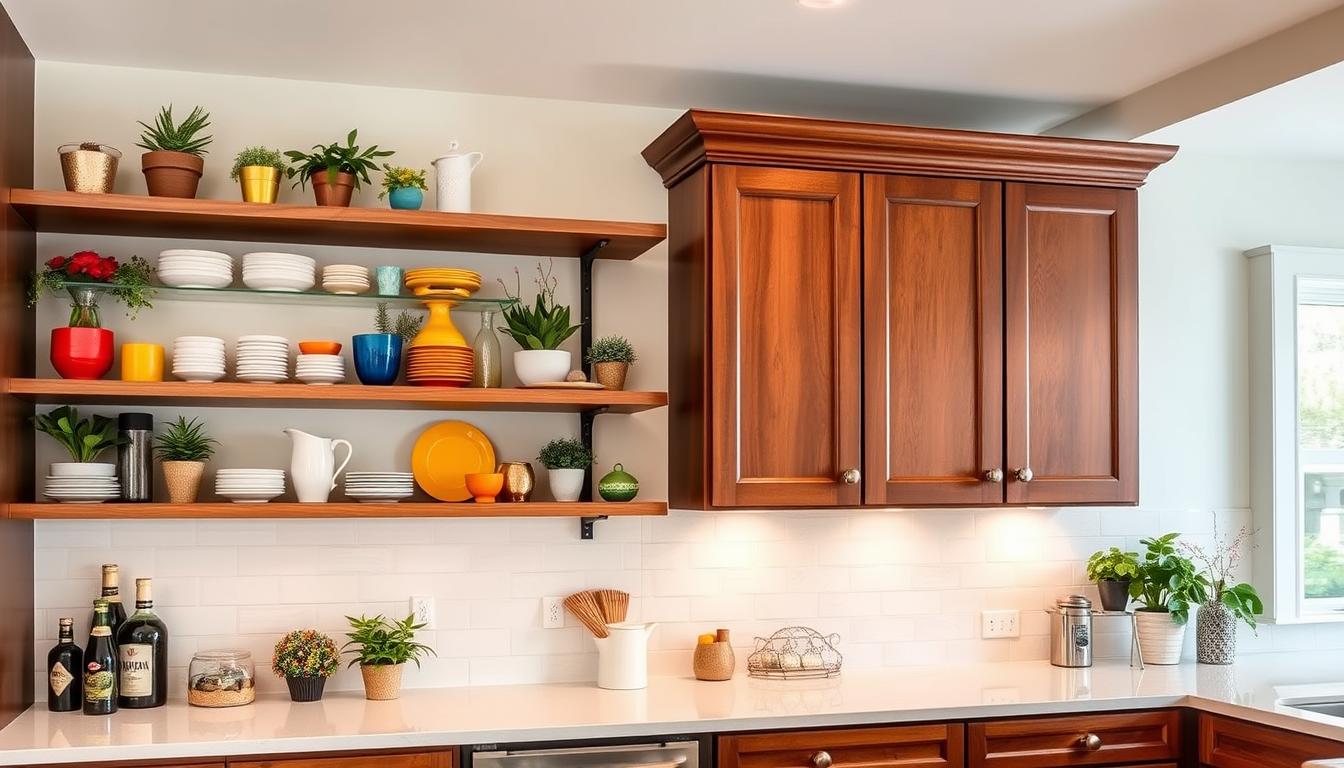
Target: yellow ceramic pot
<point>439,330</point>
<point>141,362</point>
<point>261,183</point>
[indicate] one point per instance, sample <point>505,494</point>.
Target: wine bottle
<point>142,647</point>
<point>100,665</point>
<point>65,671</point>
<point>116,612</point>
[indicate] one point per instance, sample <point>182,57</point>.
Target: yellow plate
<point>445,454</point>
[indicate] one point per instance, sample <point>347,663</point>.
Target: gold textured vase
<point>261,183</point>
<point>90,167</point>
<point>518,481</point>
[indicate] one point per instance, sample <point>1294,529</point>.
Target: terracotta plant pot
<point>172,174</point>
<point>1160,638</point>
<point>611,375</point>
<point>306,688</point>
<point>382,682</point>
<point>82,353</point>
<point>183,479</point>
<point>260,183</point>
<point>337,194</point>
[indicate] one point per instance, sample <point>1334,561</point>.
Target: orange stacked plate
<point>439,366</point>
<point>439,356</point>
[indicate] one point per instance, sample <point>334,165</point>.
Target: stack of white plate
<point>185,268</point>
<point>198,358</point>
<point>320,369</point>
<point>279,272</point>
<point>250,486</point>
<point>345,278</point>
<point>379,486</point>
<point>83,489</point>
<point>263,358</point>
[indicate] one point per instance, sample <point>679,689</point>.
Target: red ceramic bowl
<point>81,353</point>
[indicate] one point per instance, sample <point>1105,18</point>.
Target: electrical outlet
<point>422,607</point>
<point>1002,623</point>
<point>552,612</point>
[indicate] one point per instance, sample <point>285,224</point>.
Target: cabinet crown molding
<point>706,136</point>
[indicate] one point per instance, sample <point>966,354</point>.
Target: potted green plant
<point>84,349</point>
<point>335,170</point>
<point>381,648</point>
<point>183,448</point>
<point>378,355</point>
<point>1226,602</point>
<point>404,188</point>
<point>258,170</point>
<point>174,162</point>
<point>566,461</point>
<point>1166,586</point>
<point>539,328</point>
<point>1113,570</point>
<point>305,658</point>
<point>83,439</point>
<point>611,357</point>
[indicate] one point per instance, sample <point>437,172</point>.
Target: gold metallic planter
<point>261,183</point>
<point>89,167</point>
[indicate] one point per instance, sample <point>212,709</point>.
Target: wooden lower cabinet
<point>438,759</point>
<point>908,746</point>
<point>1122,738</point>
<point>1228,743</point>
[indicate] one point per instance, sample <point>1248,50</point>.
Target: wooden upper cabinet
<point>933,341</point>
<point>1071,310</point>
<point>785,336</point>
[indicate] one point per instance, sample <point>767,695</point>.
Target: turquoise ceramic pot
<point>618,485</point>
<point>406,198</point>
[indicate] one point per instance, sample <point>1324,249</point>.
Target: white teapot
<point>453,177</point>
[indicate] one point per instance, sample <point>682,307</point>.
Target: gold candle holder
<point>518,481</point>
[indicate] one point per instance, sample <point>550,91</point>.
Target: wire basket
<point>795,653</point>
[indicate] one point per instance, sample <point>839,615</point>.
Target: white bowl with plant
<point>84,440</point>
<point>539,328</point>
<point>611,358</point>
<point>566,461</point>
<point>183,448</point>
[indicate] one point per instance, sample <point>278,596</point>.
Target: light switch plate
<point>422,608</point>
<point>1000,623</point>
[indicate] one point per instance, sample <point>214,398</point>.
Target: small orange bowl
<point>485,486</point>
<point>320,347</point>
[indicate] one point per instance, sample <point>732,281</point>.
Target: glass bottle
<point>116,612</point>
<point>100,665</point>
<point>488,370</point>
<point>65,671</point>
<point>142,648</point>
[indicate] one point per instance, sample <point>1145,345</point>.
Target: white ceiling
<point>1017,65</point>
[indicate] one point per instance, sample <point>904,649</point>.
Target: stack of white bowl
<point>320,369</point>
<point>250,486</point>
<point>379,486</point>
<point>345,279</point>
<point>198,358</point>
<point>279,272</point>
<point>86,483</point>
<point>186,268</point>
<point>263,358</point>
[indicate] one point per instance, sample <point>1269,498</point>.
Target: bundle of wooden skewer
<point>596,608</point>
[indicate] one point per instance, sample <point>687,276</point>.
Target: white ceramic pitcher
<point>453,179</point>
<point>623,656</point>
<point>312,466</point>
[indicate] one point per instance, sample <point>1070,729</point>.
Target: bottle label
<point>60,678</point>
<point>137,670</point>
<point>98,683</point>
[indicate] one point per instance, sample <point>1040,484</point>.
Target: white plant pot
<point>83,469</point>
<point>537,366</point>
<point>1160,638</point>
<point>566,484</point>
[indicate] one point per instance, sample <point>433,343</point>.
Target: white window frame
<point>1276,476</point>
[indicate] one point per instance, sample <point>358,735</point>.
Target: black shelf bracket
<point>586,419</point>
<point>585,341</point>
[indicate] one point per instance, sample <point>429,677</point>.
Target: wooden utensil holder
<point>714,661</point>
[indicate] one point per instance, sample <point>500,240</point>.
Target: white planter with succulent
<point>567,461</point>
<point>540,329</point>
<point>83,439</point>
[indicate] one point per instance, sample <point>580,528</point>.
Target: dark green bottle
<point>116,612</point>
<point>65,671</point>
<point>100,665</point>
<point>142,650</point>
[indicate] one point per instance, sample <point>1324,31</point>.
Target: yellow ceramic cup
<point>141,362</point>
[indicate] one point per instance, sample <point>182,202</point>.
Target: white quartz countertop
<point>1251,689</point>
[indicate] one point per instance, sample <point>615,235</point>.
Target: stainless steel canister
<point>135,462</point>
<point>1071,632</point>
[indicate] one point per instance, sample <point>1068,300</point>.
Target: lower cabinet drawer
<point>1228,743</point>
<point>908,746</point>
<point>1101,739</point>
<point>440,759</point>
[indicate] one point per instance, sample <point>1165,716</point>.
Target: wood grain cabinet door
<point>1071,299</point>
<point>785,338</point>
<point>935,745</point>
<point>1152,738</point>
<point>1228,743</point>
<point>933,341</point>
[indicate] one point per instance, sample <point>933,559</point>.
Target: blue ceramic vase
<point>377,358</point>
<point>406,198</point>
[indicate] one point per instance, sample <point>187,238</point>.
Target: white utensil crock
<point>623,657</point>
<point>313,467</point>
<point>452,174</point>
<point>566,484</point>
<point>538,366</point>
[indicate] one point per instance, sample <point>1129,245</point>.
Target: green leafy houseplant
<point>1168,582</point>
<point>542,325</point>
<point>335,158</point>
<point>256,156</point>
<point>612,349</point>
<point>184,440</point>
<point>397,177</point>
<point>167,135</point>
<point>84,439</point>
<point>305,653</point>
<point>379,641</point>
<point>1112,565</point>
<point>565,453</point>
<point>406,324</point>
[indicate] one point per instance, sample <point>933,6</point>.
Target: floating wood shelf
<point>335,396</point>
<point>278,510</point>
<point>142,216</point>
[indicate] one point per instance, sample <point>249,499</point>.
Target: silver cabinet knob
<point>994,475</point>
<point>1024,475</point>
<point>823,758</point>
<point>850,477</point>
<point>1091,742</point>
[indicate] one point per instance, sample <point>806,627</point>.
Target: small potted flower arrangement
<point>539,328</point>
<point>183,448</point>
<point>84,440</point>
<point>305,658</point>
<point>84,349</point>
<point>381,648</point>
<point>258,170</point>
<point>1113,570</point>
<point>566,461</point>
<point>611,357</point>
<point>1225,602</point>
<point>173,163</point>
<point>404,188</point>
<point>334,170</point>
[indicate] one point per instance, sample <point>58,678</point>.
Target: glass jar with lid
<point>224,678</point>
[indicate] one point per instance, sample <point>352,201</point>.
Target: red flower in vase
<point>56,263</point>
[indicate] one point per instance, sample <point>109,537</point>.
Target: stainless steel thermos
<point>135,462</point>
<point>1071,632</point>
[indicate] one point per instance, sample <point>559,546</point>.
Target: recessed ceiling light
<point>821,3</point>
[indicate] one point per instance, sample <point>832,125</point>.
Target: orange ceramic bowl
<point>320,347</point>
<point>485,486</point>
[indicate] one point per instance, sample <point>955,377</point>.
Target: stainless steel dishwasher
<point>681,751</point>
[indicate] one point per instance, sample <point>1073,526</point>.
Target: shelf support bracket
<point>586,419</point>
<point>586,297</point>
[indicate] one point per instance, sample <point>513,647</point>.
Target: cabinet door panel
<point>1070,273</point>
<point>933,340</point>
<point>786,336</point>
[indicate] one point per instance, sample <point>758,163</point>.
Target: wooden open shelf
<point>229,394</point>
<point>142,216</point>
<point>279,510</point>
